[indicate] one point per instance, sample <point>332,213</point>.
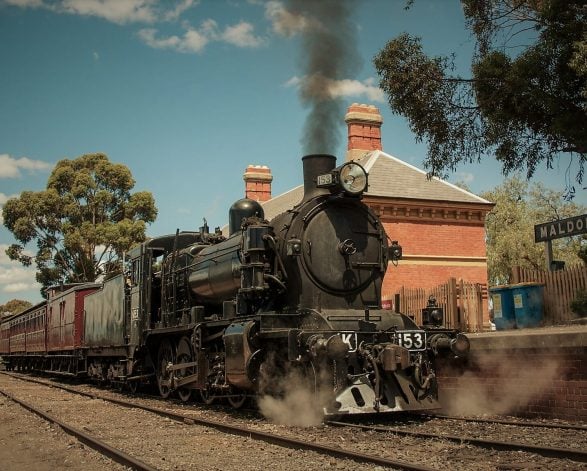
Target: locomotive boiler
<point>235,317</point>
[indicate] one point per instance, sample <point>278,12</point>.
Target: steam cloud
<point>328,53</point>
<point>508,389</point>
<point>296,399</point>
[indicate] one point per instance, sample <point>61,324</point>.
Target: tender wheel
<point>165,356</point>
<point>238,400</point>
<point>184,355</point>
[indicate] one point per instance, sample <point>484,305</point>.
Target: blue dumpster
<point>503,307</point>
<point>528,299</point>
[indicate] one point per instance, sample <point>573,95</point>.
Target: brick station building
<point>440,227</point>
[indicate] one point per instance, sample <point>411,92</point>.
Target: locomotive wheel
<point>238,400</point>
<point>184,355</point>
<point>206,397</point>
<point>165,356</point>
<point>133,386</point>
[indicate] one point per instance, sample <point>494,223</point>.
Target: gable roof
<point>390,177</point>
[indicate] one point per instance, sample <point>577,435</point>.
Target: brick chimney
<point>258,182</point>
<point>364,130</point>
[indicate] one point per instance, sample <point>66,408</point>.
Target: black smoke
<point>328,54</point>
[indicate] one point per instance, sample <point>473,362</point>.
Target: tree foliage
<point>519,206</point>
<point>14,306</point>
<point>526,101</point>
<point>85,219</point>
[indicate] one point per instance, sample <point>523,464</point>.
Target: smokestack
<point>258,182</point>
<point>314,165</point>
<point>364,130</point>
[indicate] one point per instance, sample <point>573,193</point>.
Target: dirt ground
<point>28,443</point>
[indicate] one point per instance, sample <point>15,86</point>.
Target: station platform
<point>538,337</point>
<point>536,372</point>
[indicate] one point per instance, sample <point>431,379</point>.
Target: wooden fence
<point>462,303</point>
<point>560,289</point>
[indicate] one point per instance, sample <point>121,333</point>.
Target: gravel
<point>170,445</point>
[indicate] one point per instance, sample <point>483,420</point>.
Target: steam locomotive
<point>231,317</point>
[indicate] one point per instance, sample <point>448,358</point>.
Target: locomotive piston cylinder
<point>333,347</point>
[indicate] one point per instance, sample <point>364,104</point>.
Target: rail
<point>101,447</point>
<point>551,452</point>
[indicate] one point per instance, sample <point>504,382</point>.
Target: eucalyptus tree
<point>519,206</point>
<point>82,223</point>
<point>525,100</point>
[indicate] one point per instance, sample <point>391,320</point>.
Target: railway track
<point>250,433</point>
<point>551,452</point>
<point>93,442</point>
<point>519,423</point>
<point>421,440</point>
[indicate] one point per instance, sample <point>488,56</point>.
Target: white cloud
<point>17,287</point>
<point>4,198</point>
<point>287,23</point>
<point>191,41</point>
<point>293,82</point>
<point>148,36</point>
<point>347,87</point>
<point>176,12</point>
<point>242,35</point>
<point>343,88</point>
<point>464,177</point>
<point>14,277</point>
<point>11,167</point>
<point>24,3</point>
<point>195,39</point>
<point>115,11</point>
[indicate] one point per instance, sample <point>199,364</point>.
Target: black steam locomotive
<point>231,318</point>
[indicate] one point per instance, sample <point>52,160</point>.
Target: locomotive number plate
<point>411,339</point>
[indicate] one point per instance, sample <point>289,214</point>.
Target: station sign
<point>562,228</point>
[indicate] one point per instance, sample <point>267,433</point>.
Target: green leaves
<point>83,221</point>
<point>14,306</point>
<point>526,102</point>
<point>439,108</point>
<point>519,206</point>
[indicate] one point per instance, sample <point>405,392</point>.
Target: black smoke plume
<point>328,54</point>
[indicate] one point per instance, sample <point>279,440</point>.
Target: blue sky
<point>187,94</point>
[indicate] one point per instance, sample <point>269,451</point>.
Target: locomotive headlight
<point>353,178</point>
<point>350,178</point>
